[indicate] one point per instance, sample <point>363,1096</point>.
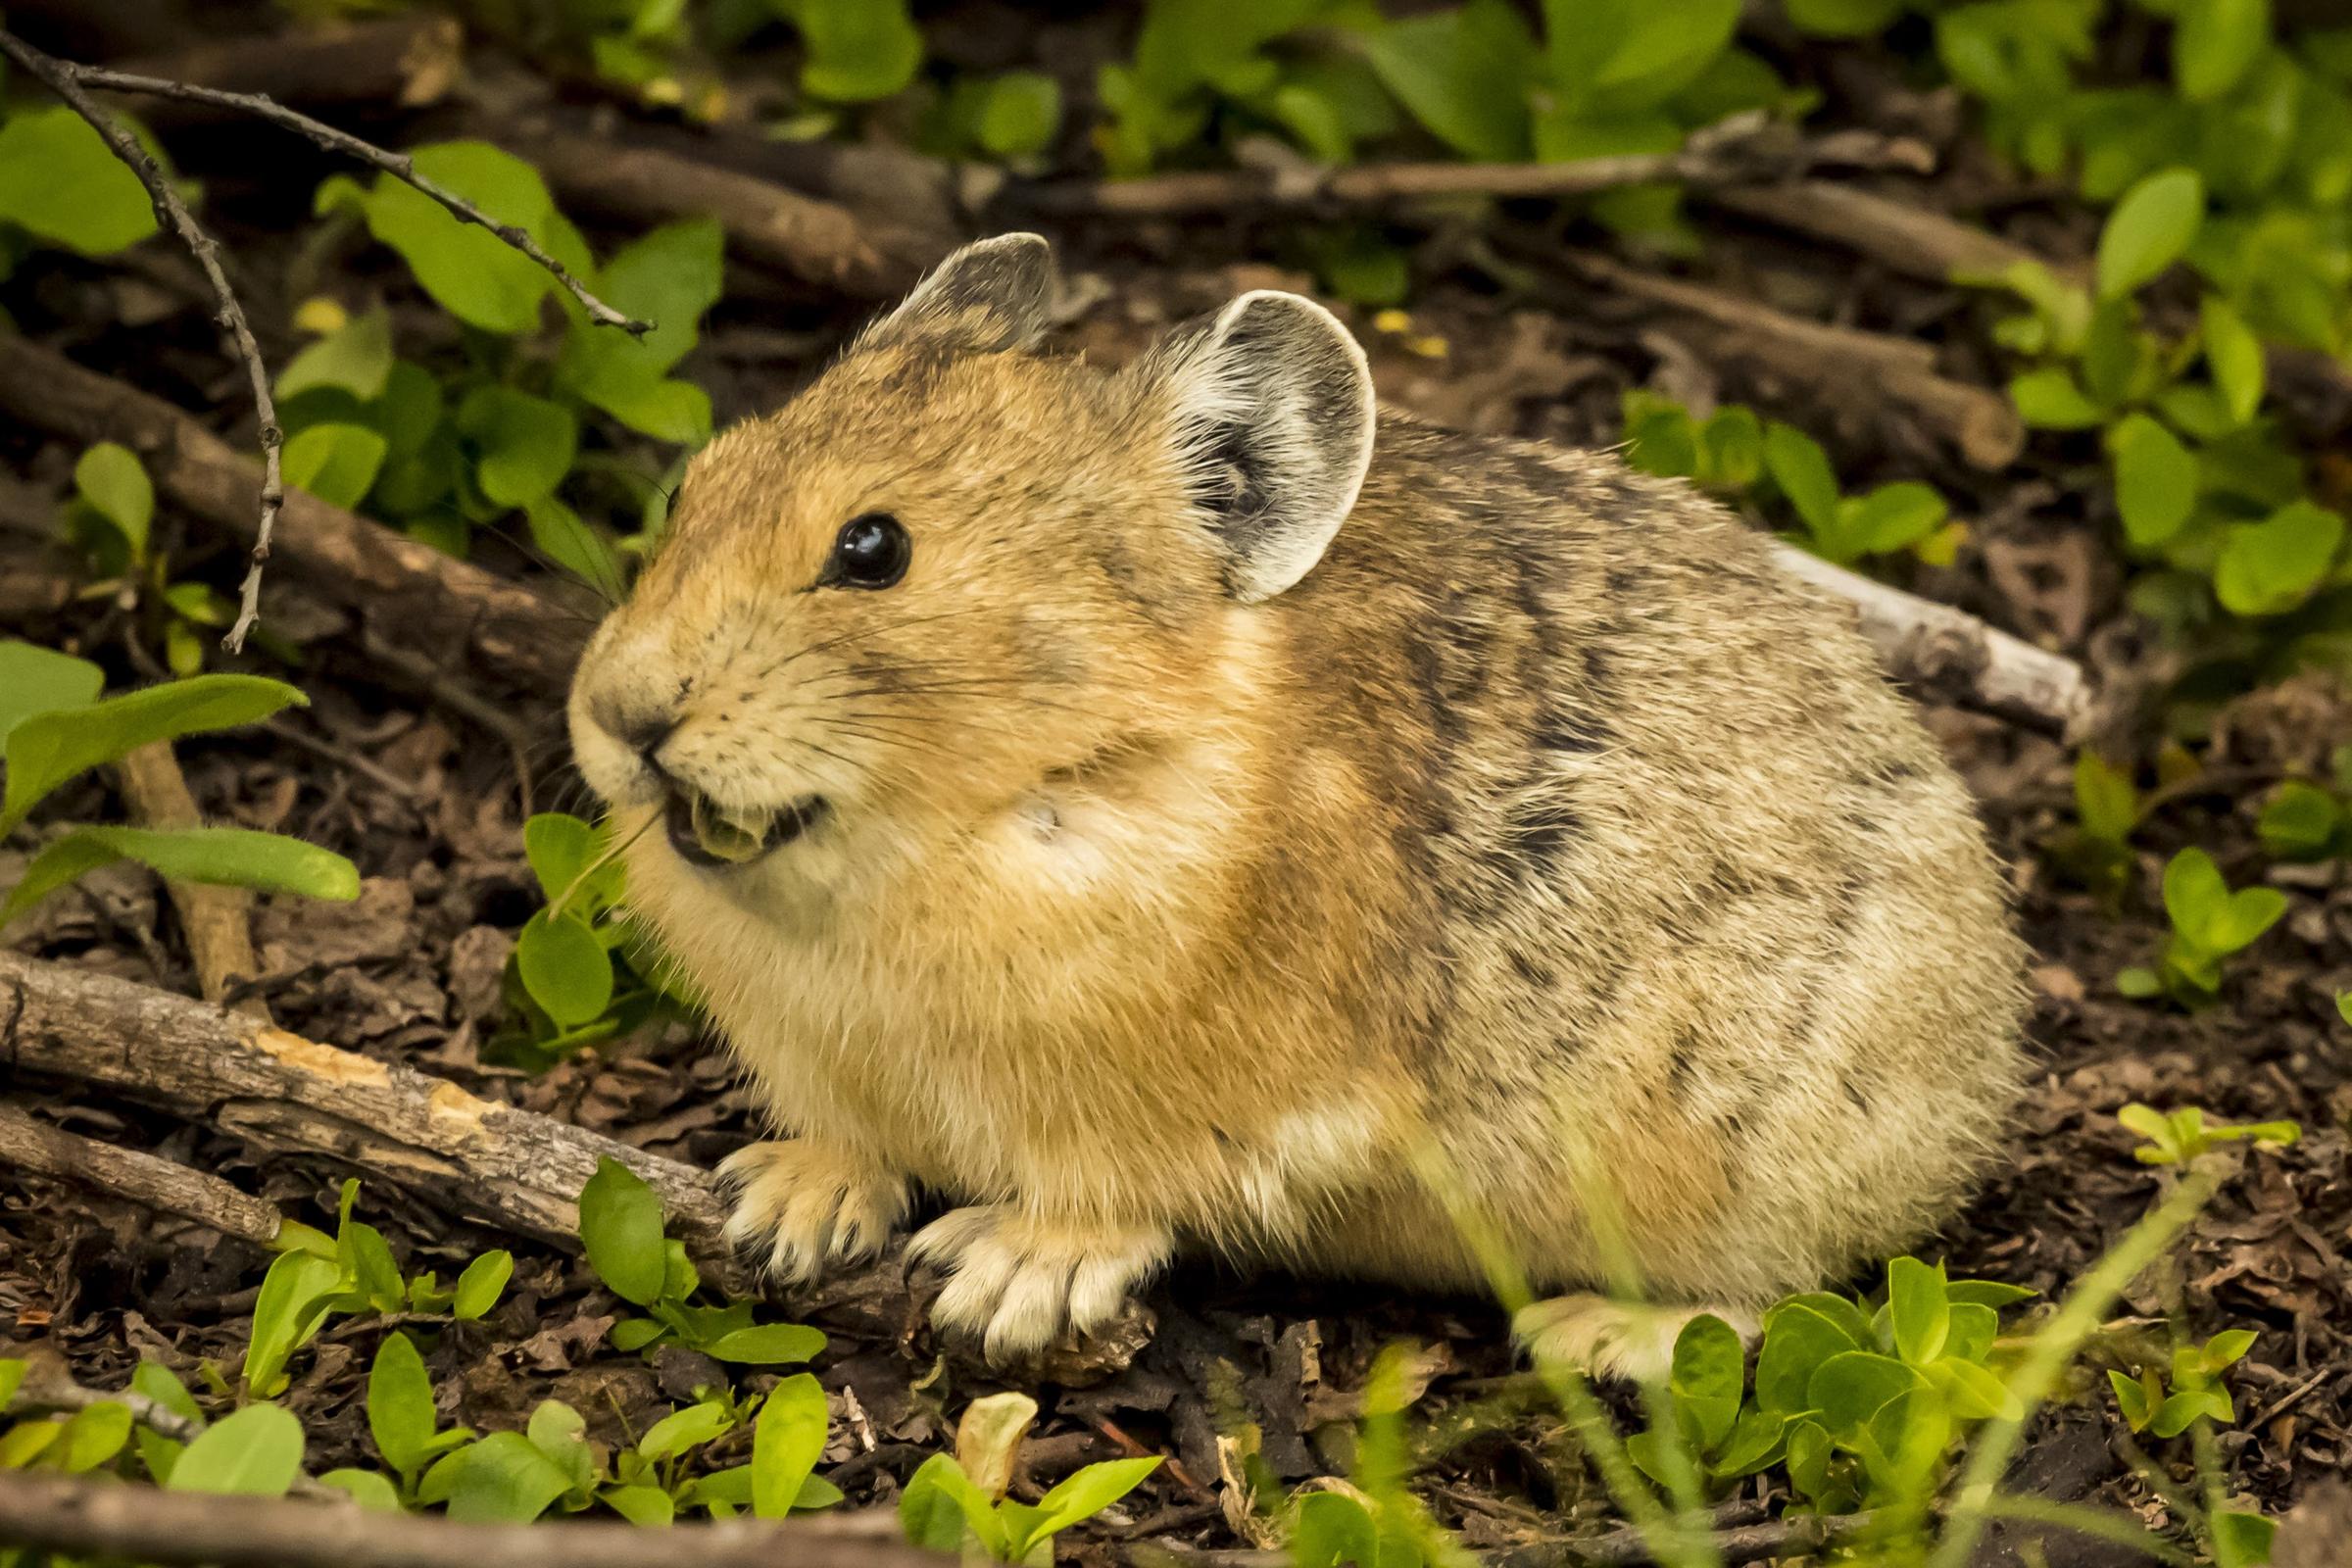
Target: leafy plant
<point>2196,1392</point>
<point>54,727</point>
<point>621,1226</point>
<point>2209,923</point>
<point>955,1502</point>
<point>2305,821</point>
<point>316,1276</point>
<point>1734,452</point>
<point>110,519</point>
<point>2183,1137</point>
<point>2107,812</point>
<point>60,186</point>
<point>582,970</point>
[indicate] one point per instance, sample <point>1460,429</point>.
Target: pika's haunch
<point>1187,806</point>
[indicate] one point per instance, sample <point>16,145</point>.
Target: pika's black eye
<point>871,551</point>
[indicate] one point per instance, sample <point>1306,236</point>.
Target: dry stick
<point>85,1518</point>
<point>402,589</point>
<point>69,82</point>
<point>398,61</point>
<point>65,81</point>
<point>220,939</point>
<point>1742,151</point>
<point>148,1180</point>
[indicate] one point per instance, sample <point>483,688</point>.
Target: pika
<point>1187,806</point>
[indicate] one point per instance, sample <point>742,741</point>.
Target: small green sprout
<point>2181,1137</point>
<point>2209,922</point>
<point>957,1500</point>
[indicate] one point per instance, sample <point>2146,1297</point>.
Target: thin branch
<point>400,165</point>
<point>85,1518</point>
<point>70,82</point>
<point>48,1392</point>
<point>65,81</point>
<point>146,1179</point>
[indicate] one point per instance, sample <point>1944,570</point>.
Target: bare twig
<point>70,83</point>
<point>81,1517</point>
<point>67,81</point>
<point>220,938</point>
<point>143,1178</point>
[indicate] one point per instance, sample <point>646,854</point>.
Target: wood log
<point>148,1180</point>
<point>405,591</point>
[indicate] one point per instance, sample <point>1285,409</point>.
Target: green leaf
<point>2049,399</point>
<point>1709,1375</point>
<point>523,445</point>
<point>1332,1529</point>
<point>1088,1492</point>
<point>256,1451</point>
<point>1464,74</point>
<point>1801,469</point>
<point>1896,516</point>
<point>620,1227</point>
<point>367,1260</point>
<point>2155,479</point>
<point>681,1430</point>
<point>95,1434</point>
<point>2150,229</point>
<point>1850,1388</point>
<point>2274,565</point>
<point>647,1507</point>
<point>162,1385</point>
<point>400,1404</point>
<point>2214,42</point>
<point>1757,1441</point>
<point>787,1441</point>
<point>1800,1333</point>
<point>1021,116</point>
<point>2106,803</point>
<point>941,1503</point>
<point>60,182</point>
<point>2131,1395</point>
<point>2233,355</point>
<point>293,1298</point>
<point>40,680</point>
<point>2301,821</point>
<point>2243,1540</point>
<point>114,483</point>
<point>858,50</point>
<point>356,357</point>
<point>2225,1348</point>
<point>1919,1309</point>
<point>668,277</point>
<point>564,968</point>
<point>371,1490</point>
<point>336,463</point>
<point>504,1479</point>
<point>481,1284</point>
<point>2207,913</point>
<point>473,274</point>
<point>226,856</point>
<point>1843,19</point>
<point>570,545</point>
<point>767,1345</point>
<point>561,848</point>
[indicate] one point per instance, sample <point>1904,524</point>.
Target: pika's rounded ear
<point>1271,414</point>
<point>989,296</point>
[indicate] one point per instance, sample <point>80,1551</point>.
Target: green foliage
<point>2307,822</point>
<point>2209,923</point>
<point>47,746</point>
<point>956,1502</point>
<point>583,970</point>
<point>2107,812</point>
<point>62,185</point>
<point>1734,453</point>
<point>2196,1392</point>
<point>2182,1137</point>
<point>109,520</point>
<point>620,1227</point>
<point>316,1276</point>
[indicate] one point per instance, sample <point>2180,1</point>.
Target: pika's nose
<point>642,732</point>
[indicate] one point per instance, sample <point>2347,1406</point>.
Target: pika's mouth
<point>704,836</point>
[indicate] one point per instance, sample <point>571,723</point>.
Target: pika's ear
<point>1271,416</point>
<point>989,296</point>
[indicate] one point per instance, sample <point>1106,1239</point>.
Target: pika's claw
<point>1018,1281</point>
<point>809,1204</point>
<point>1605,1338</point>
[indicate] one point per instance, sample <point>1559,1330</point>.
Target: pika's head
<point>956,568</point>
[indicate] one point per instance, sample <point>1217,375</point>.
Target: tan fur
<point>1544,824</point>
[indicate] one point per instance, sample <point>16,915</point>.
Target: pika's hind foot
<point>1603,1337</point>
<point>809,1203</point>
<point>1020,1281</point>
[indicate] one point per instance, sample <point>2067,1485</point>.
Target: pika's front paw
<point>809,1203</point>
<point>1605,1338</point>
<point>1018,1281</point>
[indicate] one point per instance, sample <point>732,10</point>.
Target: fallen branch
<point>1744,150</point>
<point>214,918</point>
<point>409,594</point>
<point>1867,377</point>
<point>108,1520</point>
<point>145,1179</point>
<point>47,1389</point>
<point>1950,653</point>
<point>806,238</point>
<point>510,1168</point>
<point>71,83</point>
<point>400,62</point>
